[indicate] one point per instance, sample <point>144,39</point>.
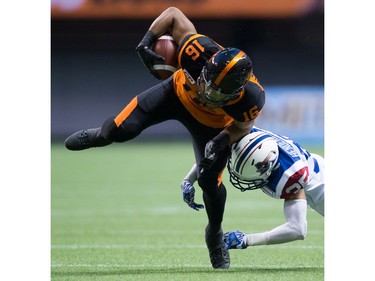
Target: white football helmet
<point>252,160</point>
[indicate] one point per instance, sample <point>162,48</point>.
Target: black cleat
<point>85,139</point>
<point>219,255</point>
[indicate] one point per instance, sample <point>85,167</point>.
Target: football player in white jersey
<point>282,169</point>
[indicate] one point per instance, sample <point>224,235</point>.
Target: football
<point>165,46</point>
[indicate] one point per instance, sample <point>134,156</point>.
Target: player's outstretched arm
<point>295,228</point>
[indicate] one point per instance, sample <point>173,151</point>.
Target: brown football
<point>166,47</point>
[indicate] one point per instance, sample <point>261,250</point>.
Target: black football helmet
<point>223,77</point>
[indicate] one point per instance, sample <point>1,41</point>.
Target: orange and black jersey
<point>193,53</point>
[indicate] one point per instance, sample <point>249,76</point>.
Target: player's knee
<point>301,236</point>
<point>109,129</point>
<point>206,182</point>
<point>111,132</point>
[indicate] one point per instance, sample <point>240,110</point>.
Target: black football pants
<point>159,104</point>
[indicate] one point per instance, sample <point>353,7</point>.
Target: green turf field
<point>117,214</point>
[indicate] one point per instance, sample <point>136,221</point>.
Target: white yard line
<point>180,266</point>
<point>124,246</point>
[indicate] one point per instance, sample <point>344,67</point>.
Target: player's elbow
<point>300,235</point>
<point>299,230</point>
<point>173,11</point>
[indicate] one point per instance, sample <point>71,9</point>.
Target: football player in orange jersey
<point>214,94</point>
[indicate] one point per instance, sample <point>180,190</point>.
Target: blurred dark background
<point>95,69</point>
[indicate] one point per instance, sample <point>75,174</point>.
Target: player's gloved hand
<point>212,149</point>
<point>234,240</point>
<point>211,153</point>
<point>188,193</point>
<point>145,53</point>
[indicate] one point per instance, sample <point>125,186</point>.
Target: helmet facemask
<point>244,184</point>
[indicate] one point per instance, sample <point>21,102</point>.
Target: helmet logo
<point>263,167</point>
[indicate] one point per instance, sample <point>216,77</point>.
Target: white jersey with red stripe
<point>295,169</point>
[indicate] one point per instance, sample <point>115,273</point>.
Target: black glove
<point>211,153</point>
<point>212,150</point>
<point>147,56</point>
